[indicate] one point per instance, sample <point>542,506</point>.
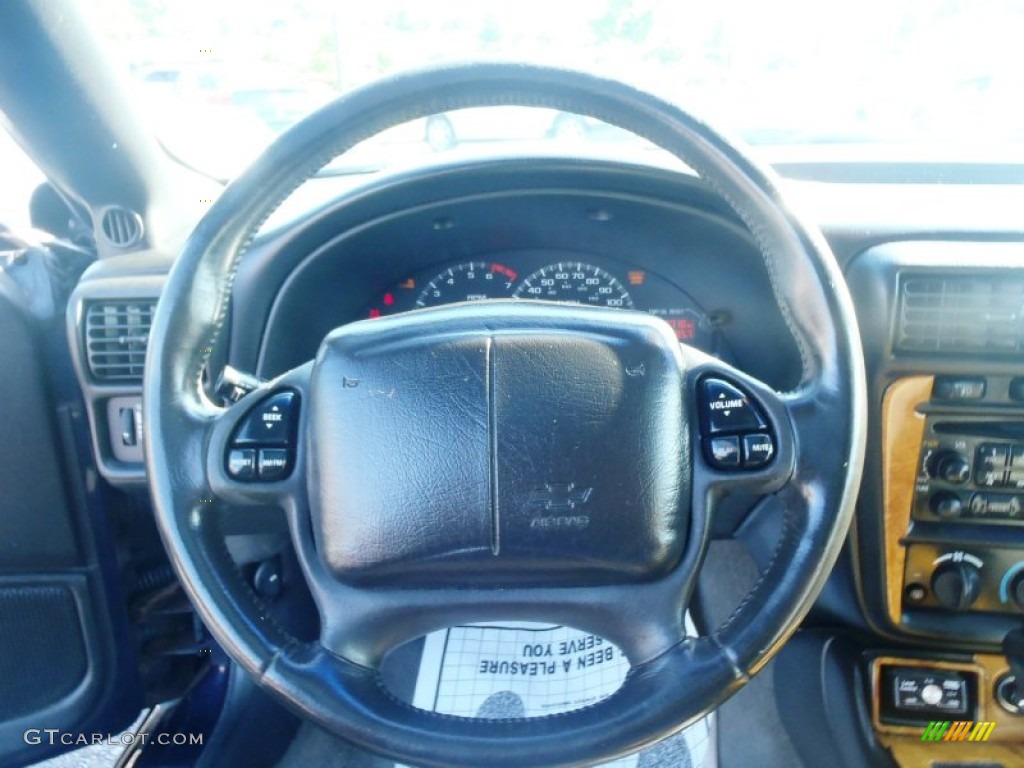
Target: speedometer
<point>575,282</point>
<point>472,281</point>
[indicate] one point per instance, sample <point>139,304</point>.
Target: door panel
<point>65,658</point>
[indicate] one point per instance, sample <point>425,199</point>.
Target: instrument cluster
<point>552,276</point>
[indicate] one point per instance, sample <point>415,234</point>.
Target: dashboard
<point>935,562</point>
<point>656,242</point>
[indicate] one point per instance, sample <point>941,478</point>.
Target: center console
<point>969,486</point>
<point>953,472</point>
<point>940,525</point>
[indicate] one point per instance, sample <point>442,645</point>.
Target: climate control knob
<point>956,585</point>
<point>950,466</point>
<point>1017,590</point>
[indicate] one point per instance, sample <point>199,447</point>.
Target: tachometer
<point>575,282</point>
<point>472,281</point>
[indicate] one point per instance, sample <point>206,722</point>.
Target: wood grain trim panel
<point>902,432</point>
<point>1005,745</point>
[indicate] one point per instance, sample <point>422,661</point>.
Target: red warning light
<point>685,329</point>
<point>388,299</point>
<point>374,313</point>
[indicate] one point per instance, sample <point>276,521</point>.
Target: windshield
<point>220,78</point>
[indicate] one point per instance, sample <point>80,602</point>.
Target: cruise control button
<point>758,450</point>
<point>724,452</point>
<point>273,463</point>
<point>727,409</point>
<point>269,422</point>
<point>242,463</point>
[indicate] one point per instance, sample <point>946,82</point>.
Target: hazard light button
<point>726,409</point>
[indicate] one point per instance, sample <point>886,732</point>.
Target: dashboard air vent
<point>961,314</point>
<point>116,333</point>
<point>121,227</point>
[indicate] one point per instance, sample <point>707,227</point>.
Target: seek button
<point>269,422</point>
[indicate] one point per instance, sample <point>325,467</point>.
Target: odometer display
<point>577,283</point>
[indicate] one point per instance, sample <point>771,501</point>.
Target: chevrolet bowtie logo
<point>559,497</point>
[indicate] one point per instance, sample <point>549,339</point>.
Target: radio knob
<point>946,505</point>
<point>956,585</point>
<point>950,466</point>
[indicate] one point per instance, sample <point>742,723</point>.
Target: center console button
<point>958,388</point>
<point>931,694</point>
<point>990,464</point>
<point>998,505</point>
<point>1015,477</point>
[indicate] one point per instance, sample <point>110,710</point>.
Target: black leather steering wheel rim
<point>666,690</point>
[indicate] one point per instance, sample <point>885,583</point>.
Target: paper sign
<point>518,669</point>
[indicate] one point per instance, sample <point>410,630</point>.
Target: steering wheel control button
<point>726,409</point>
<point>748,442</point>
<point>262,447</point>
<point>242,463</point>
<point>758,450</point>
<point>273,464</point>
<point>270,422</point>
<point>724,452</point>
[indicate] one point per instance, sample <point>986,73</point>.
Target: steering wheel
<point>505,460</point>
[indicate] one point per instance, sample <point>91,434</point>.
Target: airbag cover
<point>499,443</point>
